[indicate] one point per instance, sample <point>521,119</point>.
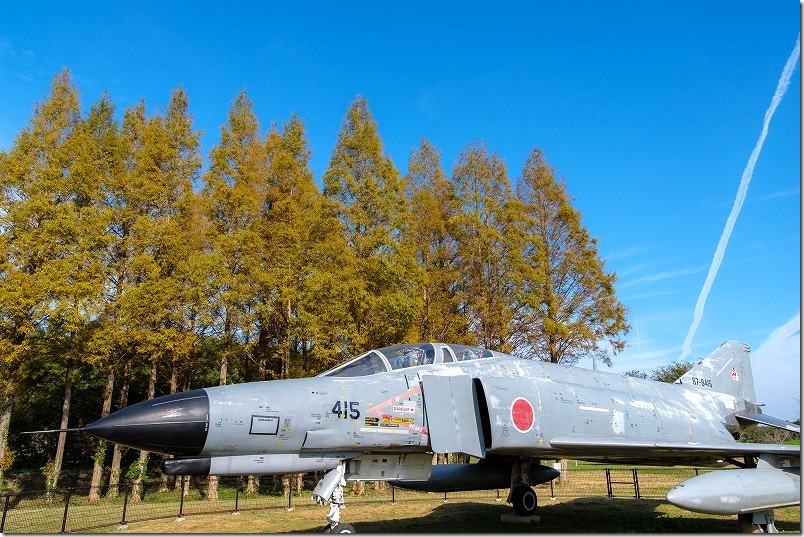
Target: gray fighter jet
<point>382,415</point>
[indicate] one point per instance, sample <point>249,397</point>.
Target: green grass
<point>580,505</point>
<point>579,515</point>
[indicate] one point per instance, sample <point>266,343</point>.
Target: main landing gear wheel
<point>523,498</point>
<point>340,528</point>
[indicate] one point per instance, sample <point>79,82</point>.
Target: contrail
<point>781,88</point>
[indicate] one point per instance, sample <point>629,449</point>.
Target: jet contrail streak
<point>781,88</point>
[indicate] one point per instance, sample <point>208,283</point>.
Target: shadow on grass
<point>585,515</point>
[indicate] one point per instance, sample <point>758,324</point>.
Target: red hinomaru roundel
<point>522,414</point>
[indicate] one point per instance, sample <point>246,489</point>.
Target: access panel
<point>453,414</point>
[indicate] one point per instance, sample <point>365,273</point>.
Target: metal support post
<point>636,482</point>
<point>66,508</point>
<point>181,499</point>
<point>123,524</point>
<point>608,481</point>
<point>237,495</point>
<point>393,498</point>
<point>5,509</point>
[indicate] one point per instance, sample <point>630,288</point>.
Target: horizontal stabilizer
<point>747,419</point>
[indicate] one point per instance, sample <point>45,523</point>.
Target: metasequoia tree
<point>234,196</point>
<point>569,306</point>
<point>487,258</point>
<point>433,206</point>
<point>43,289</point>
<point>147,201</point>
<point>305,260</point>
<point>370,197</point>
<point>99,164</point>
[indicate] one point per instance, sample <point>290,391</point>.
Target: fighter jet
<point>382,415</point>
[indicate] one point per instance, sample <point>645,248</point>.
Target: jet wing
<point>660,451</point>
<point>745,419</point>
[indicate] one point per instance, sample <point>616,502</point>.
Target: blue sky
<point>649,110</point>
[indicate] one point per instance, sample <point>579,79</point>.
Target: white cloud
<point>661,276</point>
<point>627,253</point>
<point>781,194</point>
<point>776,365</point>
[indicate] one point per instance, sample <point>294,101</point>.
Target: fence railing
<point>70,509</point>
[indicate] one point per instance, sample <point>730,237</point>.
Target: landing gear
<point>759,522</point>
<point>330,489</point>
<point>522,497</point>
<point>524,500</point>
<point>340,528</point>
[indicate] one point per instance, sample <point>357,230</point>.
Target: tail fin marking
<point>727,369</point>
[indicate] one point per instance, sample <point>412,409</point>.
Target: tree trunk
<point>53,478</point>
<point>117,453</point>
<point>6,406</point>
<point>286,350</point>
<point>262,352</point>
<point>563,479</point>
<point>142,462</point>
<point>169,481</point>
<point>100,452</point>
<point>212,482</point>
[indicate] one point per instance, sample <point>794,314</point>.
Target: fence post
<point>393,498</point>
<point>237,495</point>
<point>66,507</point>
<point>123,524</point>
<point>636,482</point>
<point>290,499</point>
<point>552,491</point>
<point>181,500</point>
<point>696,471</point>
<point>5,509</point>
<point>498,496</point>
<point>608,481</point>
<point>445,496</point>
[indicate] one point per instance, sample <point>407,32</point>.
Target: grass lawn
<point>581,515</point>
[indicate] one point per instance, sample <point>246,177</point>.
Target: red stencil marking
<point>522,415</point>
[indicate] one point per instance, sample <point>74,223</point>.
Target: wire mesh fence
<point>71,510</point>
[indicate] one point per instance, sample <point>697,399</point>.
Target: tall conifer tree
<point>570,309</point>
<point>372,206</point>
<point>234,196</point>
<point>305,257</point>
<point>433,205</point>
<point>485,251</point>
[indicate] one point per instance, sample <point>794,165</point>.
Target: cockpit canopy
<point>402,356</point>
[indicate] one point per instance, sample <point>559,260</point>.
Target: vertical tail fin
<point>727,369</point>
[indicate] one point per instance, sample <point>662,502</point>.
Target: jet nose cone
<point>176,424</point>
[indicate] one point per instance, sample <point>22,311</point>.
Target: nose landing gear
<point>330,490</point>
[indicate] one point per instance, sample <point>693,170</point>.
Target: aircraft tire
<point>340,528</point>
<point>524,500</point>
